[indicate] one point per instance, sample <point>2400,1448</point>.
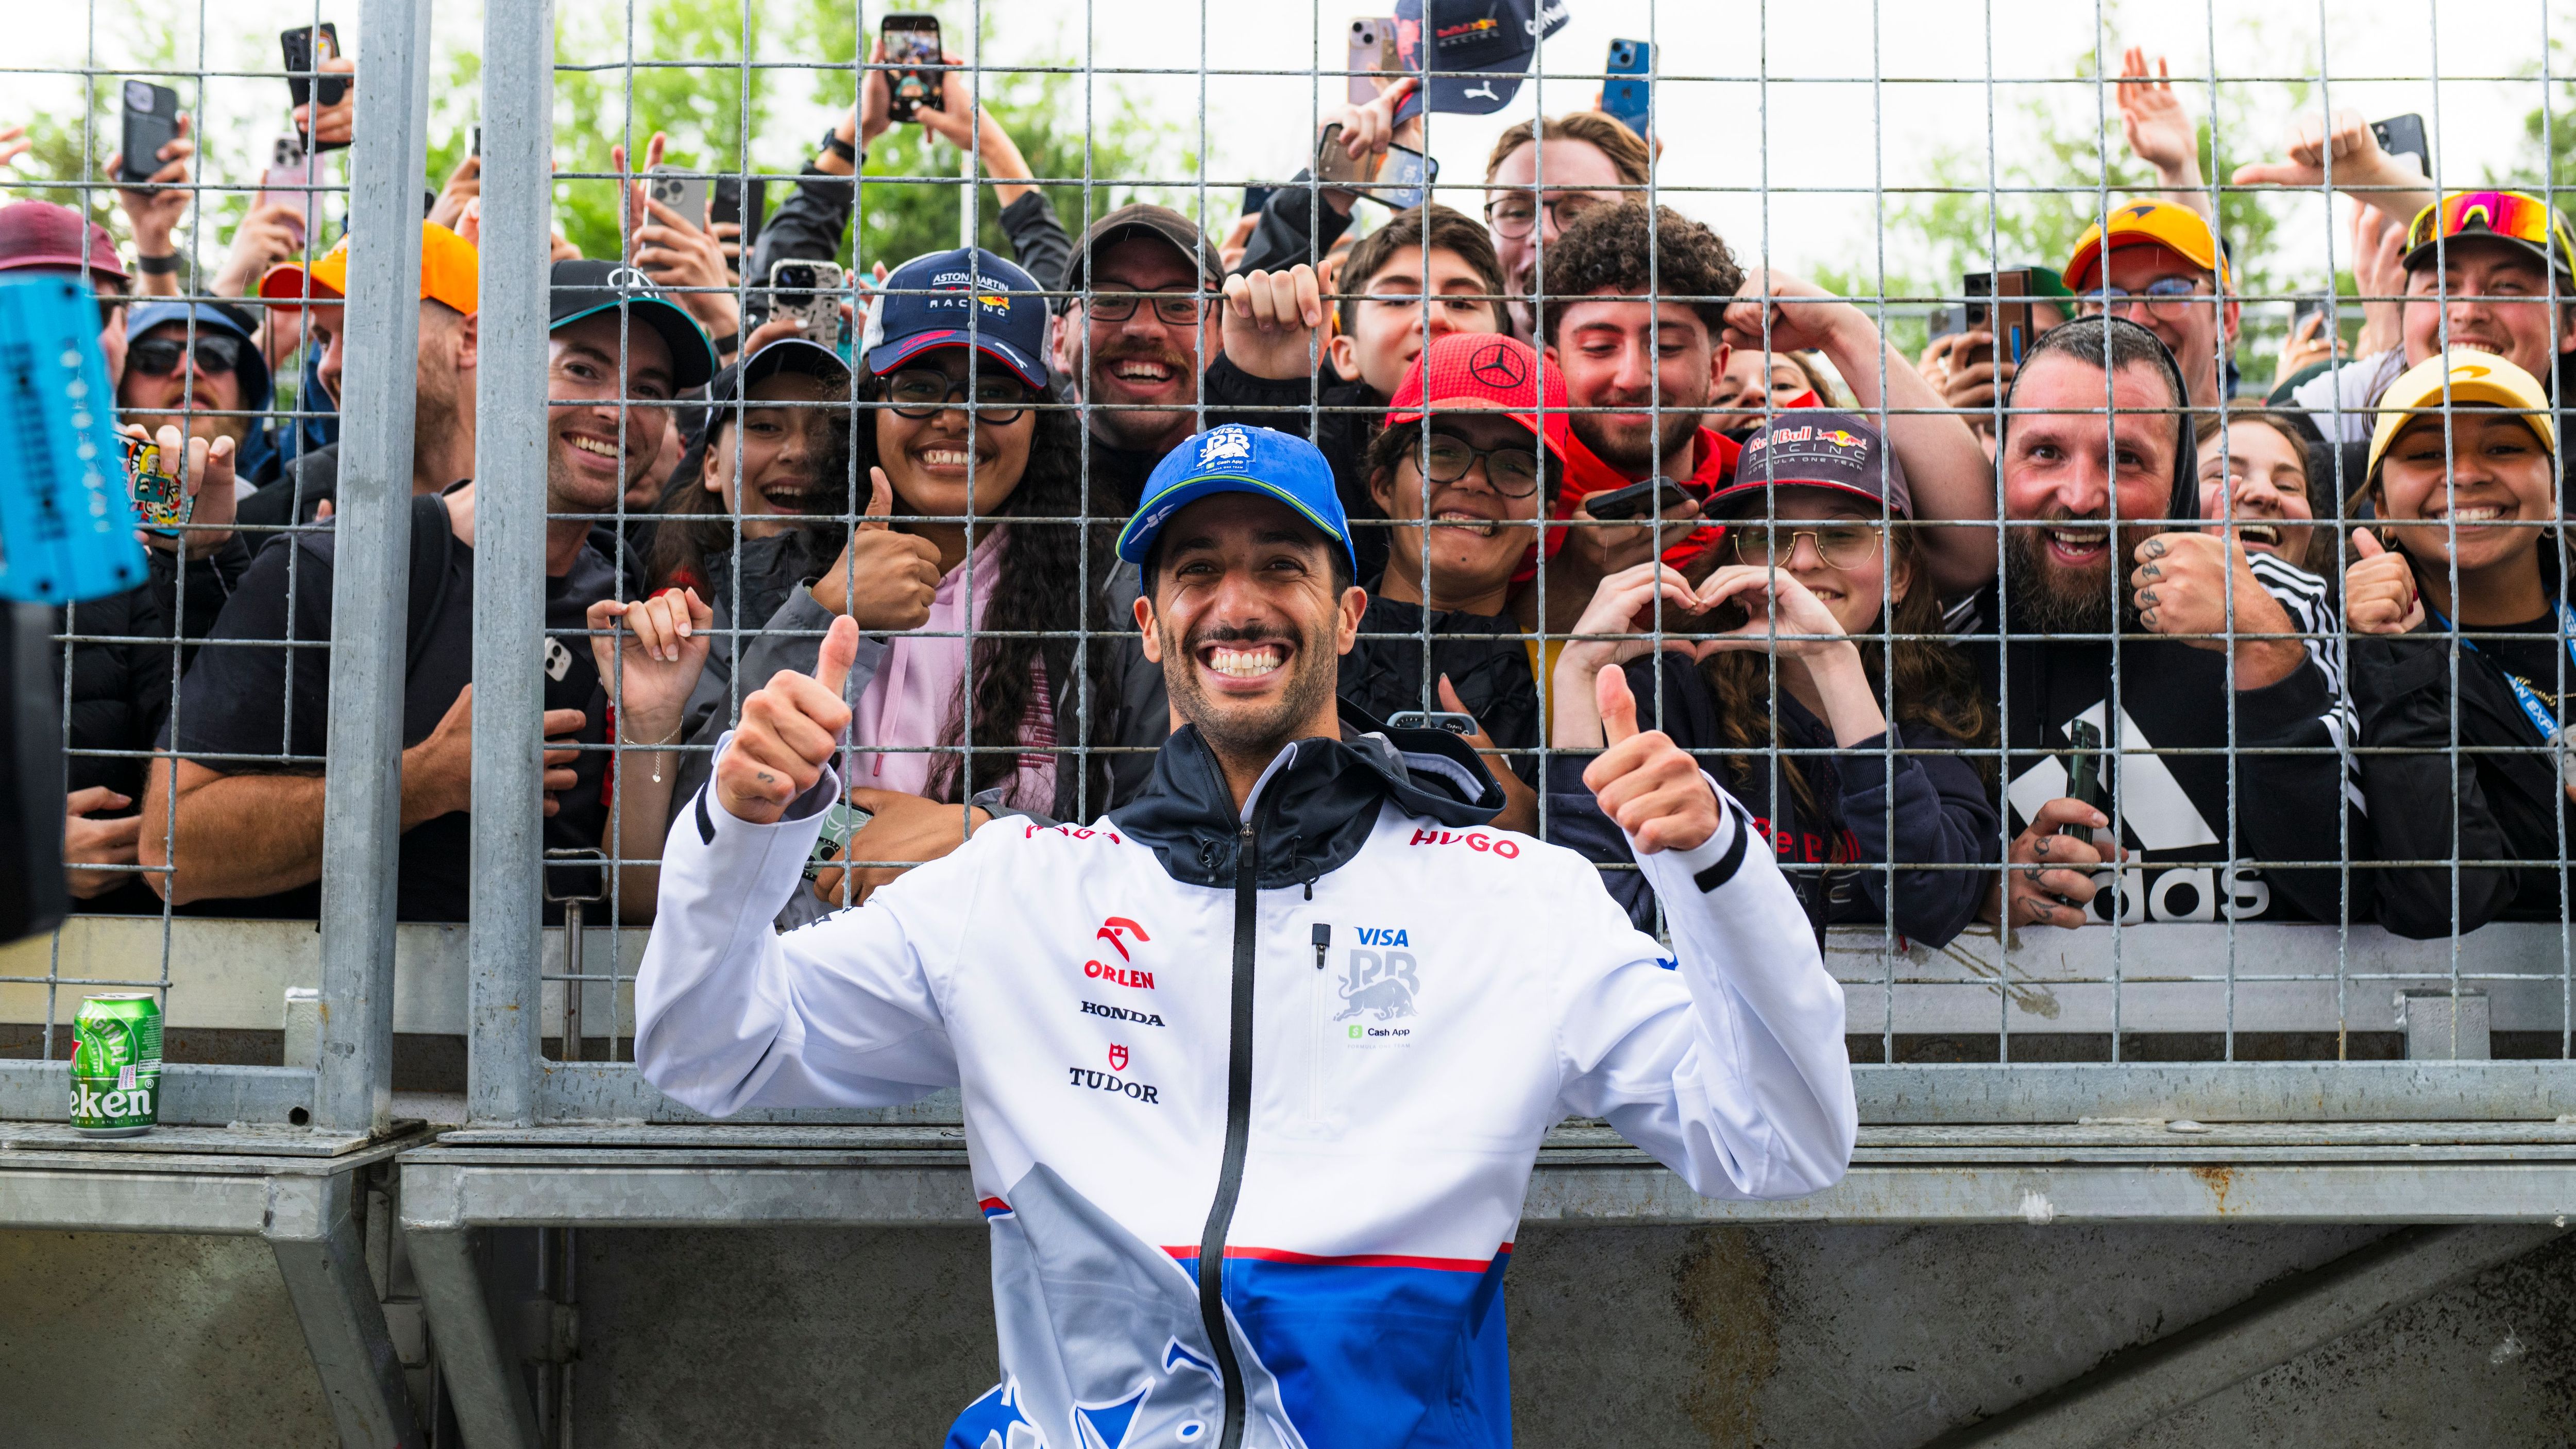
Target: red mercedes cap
<point>1469,370</point>
<point>42,234</point>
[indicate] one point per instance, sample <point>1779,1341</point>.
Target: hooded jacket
<point>2502,790</point>
<point>1252,1096</point>
<point>2196,775</point>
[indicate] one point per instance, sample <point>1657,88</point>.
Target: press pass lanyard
<point>2523,694</point>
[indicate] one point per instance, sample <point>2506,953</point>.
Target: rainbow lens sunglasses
<point>2496,213</point>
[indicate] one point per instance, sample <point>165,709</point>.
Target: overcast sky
<point>1775,94</point>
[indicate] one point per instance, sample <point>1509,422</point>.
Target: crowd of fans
<point>1905,608</point>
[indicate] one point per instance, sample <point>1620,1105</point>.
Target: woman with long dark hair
<point>968,570</point>
<point>1835,608</point>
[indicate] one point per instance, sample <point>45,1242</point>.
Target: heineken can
<point>116,1065</point>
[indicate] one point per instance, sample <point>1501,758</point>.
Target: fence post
<point>507,934</point>
<point>362,813</point>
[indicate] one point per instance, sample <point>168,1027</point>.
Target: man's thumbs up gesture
<point>788,733</point>
<point>1644,781</point>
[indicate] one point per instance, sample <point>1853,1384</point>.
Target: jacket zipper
<point>1238,1134</point>
<point>1315,1050</point>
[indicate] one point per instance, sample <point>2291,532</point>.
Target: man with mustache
<point>1256,1067</point>
<point>2118,614</point>
<point>1134,339</point>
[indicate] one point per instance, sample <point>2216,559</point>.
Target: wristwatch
<point>833,143</point>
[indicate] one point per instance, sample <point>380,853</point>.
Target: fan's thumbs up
<point>880,503</point>
<point>840,651</point>
<point>1617,705</point>
<point>2365,544</point>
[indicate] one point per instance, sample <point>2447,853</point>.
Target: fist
<point>1644,781</point>
<point>788,732</point>
<point>2185,583</point>
<point>2379,589</point>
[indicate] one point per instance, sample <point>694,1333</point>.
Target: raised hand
<point>2379,595</point>
<point>651,665</point>
<point>338,122</point>
<point>1644,781</point>
<point>1803,315</point>
<point>790,727</point>
<point>1271,319</point>
<point>2152,116</point>
<point>883,580</point>
<point>206,472</point>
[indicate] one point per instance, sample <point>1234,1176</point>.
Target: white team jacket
<point>1441,1000</point>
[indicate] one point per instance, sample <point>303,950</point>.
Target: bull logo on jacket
<point>1378,982</point>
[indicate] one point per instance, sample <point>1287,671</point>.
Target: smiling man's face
<point>2062,470</point>
<point>590,458</point>
<point>1249,624</point>
<point>1139,361</point>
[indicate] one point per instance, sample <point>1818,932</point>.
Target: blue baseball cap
<point>925,303</point>
<point>1239,459</point>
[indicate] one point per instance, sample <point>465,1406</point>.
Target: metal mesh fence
<point>2146,577</point>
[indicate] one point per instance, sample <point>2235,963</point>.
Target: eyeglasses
<point>1512,472</point>
<point>1178,309</point>
<point>921,392</point>
<point>159,356</point>
<point>1512,217</point>
<point>1837,545</point>
<point>2511,214</point>
<point>2169,298</point>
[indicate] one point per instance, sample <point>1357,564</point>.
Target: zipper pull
<point>1323,938</point>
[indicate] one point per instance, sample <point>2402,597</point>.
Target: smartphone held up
<point>914,61</point>
<point>304,49</point>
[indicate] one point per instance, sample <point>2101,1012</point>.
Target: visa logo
<point>1381,936</point>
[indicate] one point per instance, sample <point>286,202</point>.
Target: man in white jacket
<point>1256,1067</point>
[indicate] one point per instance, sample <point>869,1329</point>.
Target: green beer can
<point>116,1065</point>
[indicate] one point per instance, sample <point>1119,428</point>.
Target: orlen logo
<point>1473,840</point>
<point>1110,930</point>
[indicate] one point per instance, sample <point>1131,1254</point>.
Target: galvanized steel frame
<point>304,1206</point>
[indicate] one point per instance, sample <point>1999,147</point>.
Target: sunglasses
<point>159,356</point>
<point>2510,214</point>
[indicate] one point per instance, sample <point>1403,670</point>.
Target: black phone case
<point>901,108</point>
<point>146,134</point>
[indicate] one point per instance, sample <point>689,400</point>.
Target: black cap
<point>586,285</point>
<point>1815,448</point>
<point>787,354</point>
<point>1158,221</point>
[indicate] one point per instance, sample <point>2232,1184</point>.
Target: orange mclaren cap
<point>449,272</point>
<point>2138,222</point>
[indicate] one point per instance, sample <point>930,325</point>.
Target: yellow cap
<point>2136,222</point>
<point>2460,376</point>
<point>450,272</point>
